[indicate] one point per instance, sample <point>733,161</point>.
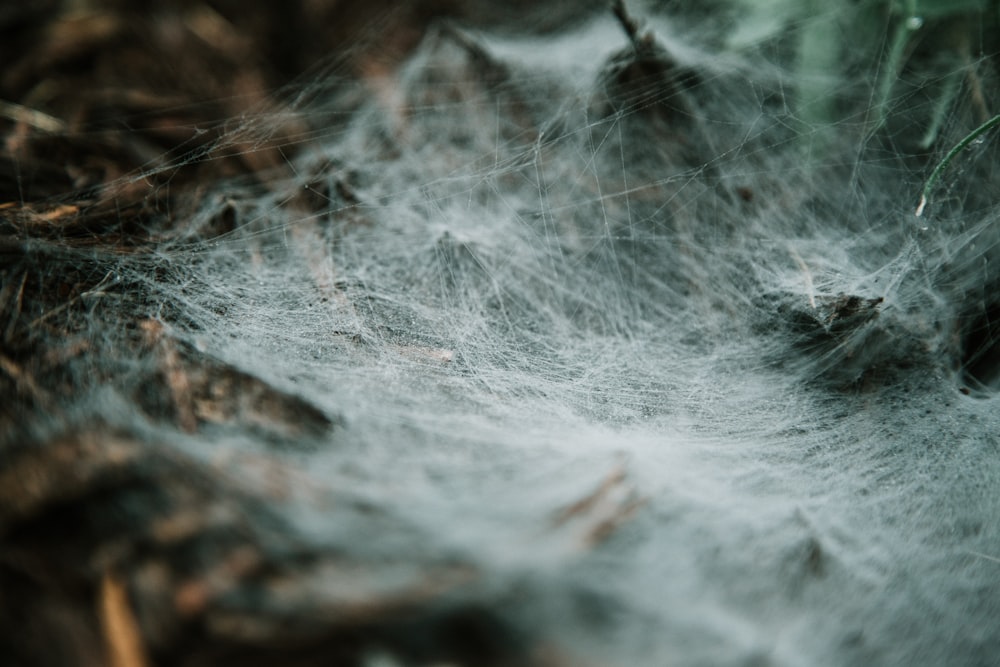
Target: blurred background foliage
<point>924,63</point>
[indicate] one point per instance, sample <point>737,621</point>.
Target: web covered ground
<point>597,346</point>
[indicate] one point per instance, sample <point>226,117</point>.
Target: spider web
<point>521,271</point>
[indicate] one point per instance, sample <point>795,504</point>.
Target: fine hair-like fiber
<point>535,335</point>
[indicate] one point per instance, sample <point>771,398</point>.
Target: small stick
<point>31,117</point>
<point>122,635</point>
<point>629,24</point>
<point>23,380</point>
<point>8,334</point>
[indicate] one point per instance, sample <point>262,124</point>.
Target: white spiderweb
<point>512,282</point>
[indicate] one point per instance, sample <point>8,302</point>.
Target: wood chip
<point>121,630</point>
